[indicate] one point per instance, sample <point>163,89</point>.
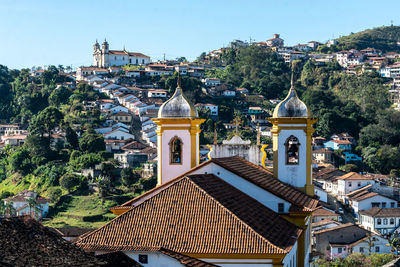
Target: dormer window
<point>175,147</point>
<point>292,150</point>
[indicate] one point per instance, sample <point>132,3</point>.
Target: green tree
<point>70,182</point>
<point>91,142</point>
<point>59,96</point>
<point>20,161</point>
<point>129,176</point>
<point>72,138</point>
<point>46,121</point>
<point>54,194</point>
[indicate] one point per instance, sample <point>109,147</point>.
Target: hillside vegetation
<point>384,38</point>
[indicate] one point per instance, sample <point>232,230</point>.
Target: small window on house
<point>359,184</point>
<point>130,61</point>
<point>361,249</point>
<point>281,207</point>
<point>175,147</point>
<point>349,184</point>
<point>142,61</point>
<point>392,204</point>
<point>339,250</point>
<point>391,221</point>
<point>115,57</point>
<point>379,221</point>
<point>375,204</point>
<point>143,258</point>
<point>385,221</point>
<point>383,204</point>
<point>137,61</point>
<point>292,150</point>
<point>376,249</point>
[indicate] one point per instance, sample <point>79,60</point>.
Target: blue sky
<point>38,33</point>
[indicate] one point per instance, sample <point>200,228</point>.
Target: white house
<point>352,181</point>
<point>20,203</point>
<point>228,93</point>
<point>363,199</point>
<point>157,93</point>
<point>382,220</point>
<point>344,239</point>
<point>321,213</point>
<point>118,134</point>
<point>211,81</point>
<point>211,107</point>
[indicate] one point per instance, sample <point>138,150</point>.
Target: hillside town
<point>266,185</point>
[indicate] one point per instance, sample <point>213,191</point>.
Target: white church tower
<point>178,129</point>
<point>292,134</point>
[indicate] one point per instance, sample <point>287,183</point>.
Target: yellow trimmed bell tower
<point>292,129</point>
<point>178,130</point>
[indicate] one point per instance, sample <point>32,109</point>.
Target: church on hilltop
<point>103,57</point>
<point>225,211</point>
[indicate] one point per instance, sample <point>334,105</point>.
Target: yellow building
<point>225,211</point>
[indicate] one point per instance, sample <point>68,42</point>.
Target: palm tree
<point>34,208</point>
<point>9,209</point>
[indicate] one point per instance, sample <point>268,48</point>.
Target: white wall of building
<point>155,259</point>
<point>347,186</point>
<point>294,175</point>
<point>170,171</point>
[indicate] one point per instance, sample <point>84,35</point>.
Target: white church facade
<point>223,212</point>
<point>104,57</point>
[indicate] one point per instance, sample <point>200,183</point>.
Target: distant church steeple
<point>178,129</point>
<point>292,133</point>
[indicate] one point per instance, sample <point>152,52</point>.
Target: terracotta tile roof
<point>360,190</point>
<point>354,176</point>
<point>134,145</point>
<point>197,214</point>
<point>264,179</point>
<point>25,242</point>
<point>328,174</point>
<point>381,212</point>
<point>363,195</point>
<point>321,211</point>
<point>342,142</point>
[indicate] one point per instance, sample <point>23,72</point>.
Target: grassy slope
<point>86,211</point>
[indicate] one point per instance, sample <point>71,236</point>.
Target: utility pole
<point>164,56</point>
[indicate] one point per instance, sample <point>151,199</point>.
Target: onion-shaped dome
<point>292,107</point>
<point>177,106</point>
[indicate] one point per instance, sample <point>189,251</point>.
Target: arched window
<point>175,149</point>
<point>292,150</point>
